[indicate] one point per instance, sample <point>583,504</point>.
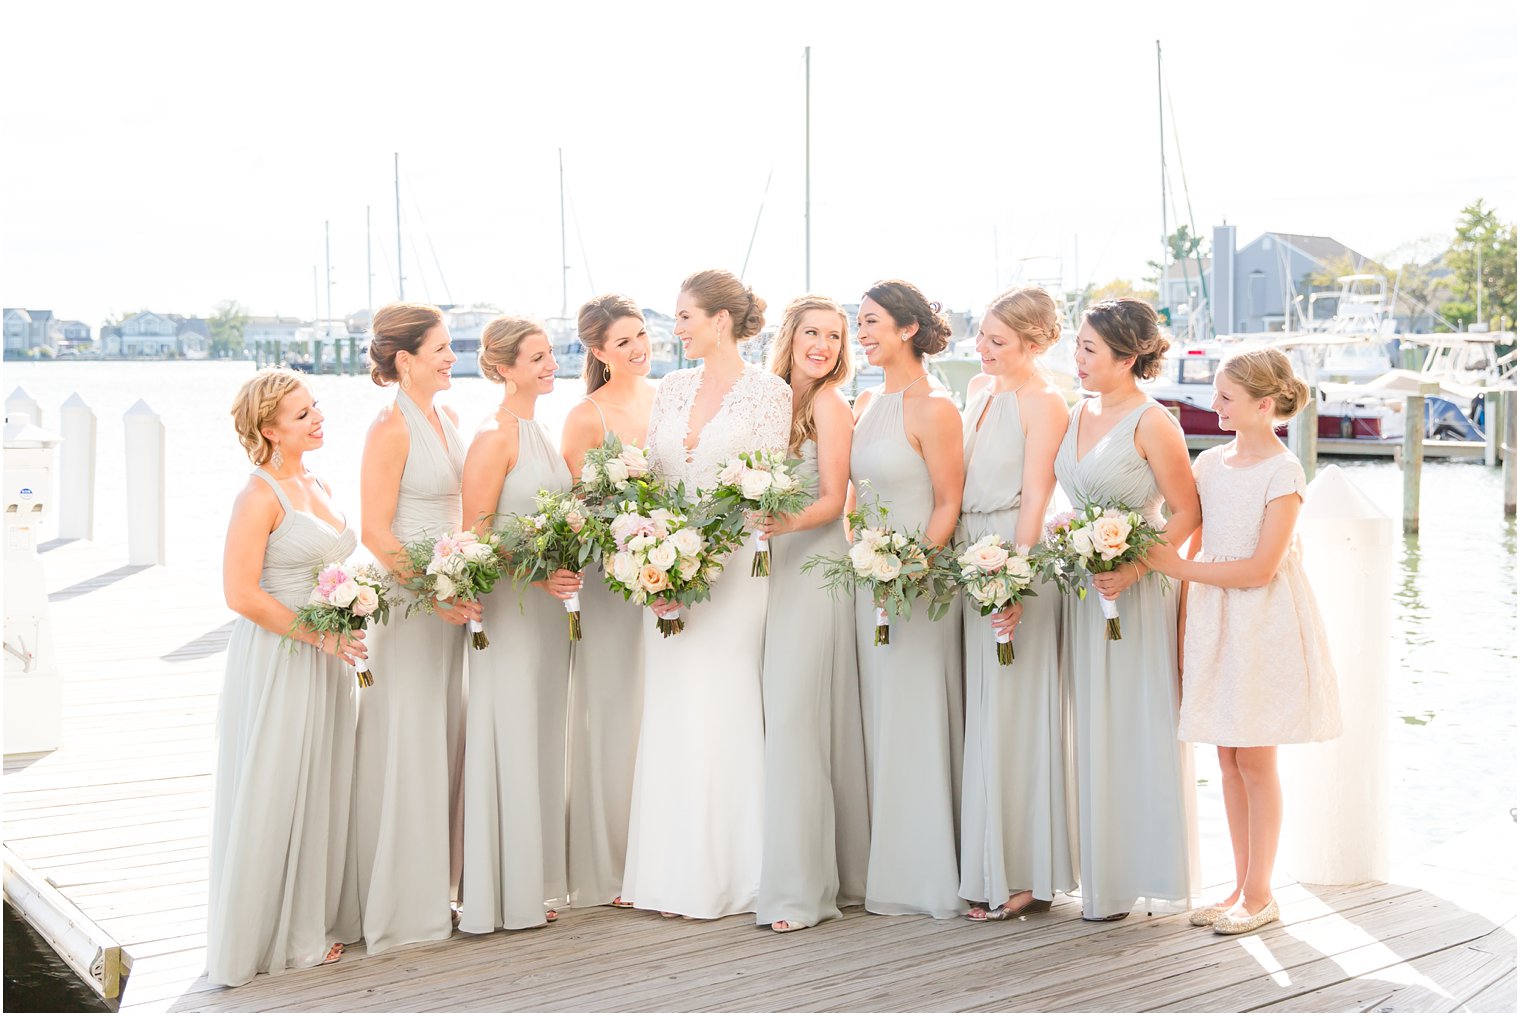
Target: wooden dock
<point>118,820</point>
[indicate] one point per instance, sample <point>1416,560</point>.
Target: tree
<point>226,326</point>
<point>1118,288</point>
<point>1181,245</point>
<point>1479,230</point>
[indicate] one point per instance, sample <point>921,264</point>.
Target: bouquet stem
<point>1004,649</point>
<point>478,636</point>
<point>669,624</point>
<point>363,674</point>
<point>573,610</point>
<point>883,628</point>
<point>1111,618</point>
<point>1111,626</point>
<point>762,564</point>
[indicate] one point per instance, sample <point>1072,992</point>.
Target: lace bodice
<point>1235,499</point>
<point>755,413</point>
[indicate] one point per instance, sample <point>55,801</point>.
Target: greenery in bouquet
<point>561,535</point>
<point>994,576</point>
<point>460,566</point>
<point>760,482</point>
<point>1091,540</point>
<point>343,600</point>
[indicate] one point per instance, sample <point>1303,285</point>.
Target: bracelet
<point>322,642</point>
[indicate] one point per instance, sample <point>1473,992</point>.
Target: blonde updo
<point>1129,327</point>
<point>1031,313</point>
<point>255,405</point>
<point>500,342</point>
<point>715,290</point>
<point>907,305</point>
<point>1267,373</point>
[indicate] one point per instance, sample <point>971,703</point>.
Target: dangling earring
<point>406,380</point>
<point>606,372</point>
<point>276,460</point>
<point>511,387</point>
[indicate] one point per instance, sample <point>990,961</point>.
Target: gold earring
<point>276,460</point>
<point>511,387</point>
<point>606,371</point>
<point>406,380</point>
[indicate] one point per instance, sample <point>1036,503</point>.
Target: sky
<point>174,156</point>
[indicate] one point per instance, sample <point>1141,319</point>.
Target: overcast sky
<point>174,155</point>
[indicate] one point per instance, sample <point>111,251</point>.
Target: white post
<point>33,688</point>
<point>76,479</point>
<point>1335,794</point>
<point>19,401</point>
<point>144,433</point>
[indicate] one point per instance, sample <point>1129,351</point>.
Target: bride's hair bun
<point>715,289</point>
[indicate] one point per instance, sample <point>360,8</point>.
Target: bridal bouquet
<point>343,601</point>
<point>610,469</point>
<point>461,566</point>
<point>1094,539</point>
<point>665,548</point>
<point>561,535</point>
<point>993,577</point>
<point>897,567</point>
<point>760,481</point>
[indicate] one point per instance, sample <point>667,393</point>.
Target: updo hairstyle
<point>500,342</point>
<point>715,290</point>
<point>395,327</point>
<point>1267,373</point>
<point>1129,327</point>
<point>595,318</point>
<point>255,405</point>
<point>903,301</point>
<point>1031,313</point>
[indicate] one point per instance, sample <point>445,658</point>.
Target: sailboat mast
<point>564,256</point>
<point>369,267</point>
<point>327,257</point>
<point>807,168</point>
<point>1161,134</point>
<point>400,269</point>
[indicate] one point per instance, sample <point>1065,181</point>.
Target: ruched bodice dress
<point>1131,799</point>
<point>817,821</point>
<point>408,805</point>
<point>514,773</point>
<point>281,890</point>
<point>1015,820</point>
<point>911,696</point>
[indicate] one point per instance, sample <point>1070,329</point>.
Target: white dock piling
<point>1303,434</point>
<point>144,433</point>
<point>1505,424</point>
<point>76,470</point>
<point>19,401</point>
<point>1335,828</point>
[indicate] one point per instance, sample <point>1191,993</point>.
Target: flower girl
<point>1256,669</point>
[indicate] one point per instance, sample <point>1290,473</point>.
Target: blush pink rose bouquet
<point>344,600</point>
<point>1092,540</point>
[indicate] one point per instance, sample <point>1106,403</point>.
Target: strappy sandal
<point>550,916</point>
<point>786,926</point>
<point>619,902</point>
<point>1005,912</point>
<point>333,955</point>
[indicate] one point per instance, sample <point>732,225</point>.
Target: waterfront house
<point>70,337</point>
<point>26,329</point>
<point>149,334</point>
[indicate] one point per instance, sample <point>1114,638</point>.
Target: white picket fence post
<point>76,472</point>
<point>144,433</point>
<point>19,401</point>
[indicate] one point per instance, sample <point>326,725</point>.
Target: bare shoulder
<point>935,406</point>
<point>1045,404</point>
<point>582,415</point>
<point>1158,423</point>
<point>832,409</point>
<point>453,416</point>
<point>977,384</point>
<point>861,401</point>
<point>389,429</point>
<point>256,501</point>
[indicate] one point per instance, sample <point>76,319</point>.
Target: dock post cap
<point>20,394</point>
<point>75,401</point>
<point>20,432</point>
<point>140,408</point>
<point>1332,496</point>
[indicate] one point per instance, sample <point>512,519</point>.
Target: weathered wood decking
<point>118,819</point>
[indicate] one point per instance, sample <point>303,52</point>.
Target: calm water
<point>1453,693</point>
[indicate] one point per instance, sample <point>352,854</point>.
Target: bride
<point>694,830</point>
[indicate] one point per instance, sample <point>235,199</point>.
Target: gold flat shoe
<point>1205,916</point>
<point>1232,924</point>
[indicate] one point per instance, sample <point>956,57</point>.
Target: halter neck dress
<point>409,805</point>
<point>281,890</point>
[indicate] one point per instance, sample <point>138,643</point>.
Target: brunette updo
<point>715,290</point>
<point>1267,373</point>
<point>591,325</point>
<point>903,301</point>
<point>395,327</point>
<point>501,340</point>
<point>255,405</point>
<point>1031,312</point>
<point>1129,327</point>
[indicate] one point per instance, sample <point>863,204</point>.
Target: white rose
<point>662,555</point>
<point>1081,542</point>
<point>731,471</point>
<point>366,601</point>
<point>455,567</point>
<point>589,473</point>
<point>874,538</point>
<point>688,541</point>
<point>861,556</point>
<point>479,553</point>
<point>638,543</point>
<point>316,598</point>
<point>634,461</point>
<point>754,482</point>
<point>899,540</point>
<point>625,567</point>
<point>688,568</point>
<point>443,588</point>
<point>886,567</point>
<point>617,470</point>
<point>344,594</point>
<point>989,557</point>
<point>1019,568</point>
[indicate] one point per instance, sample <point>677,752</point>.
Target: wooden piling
<point>1493,427</point>
<point>1505,424</point>
<point>1414,454</point>
<point>1303,434</point>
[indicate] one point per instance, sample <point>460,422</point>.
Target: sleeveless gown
<point>514,768</point>
<point>911,697</point>
<point>281,892</point>
<point>694,830</point>
<point>606,701</point>
<point>1132,803</point>
<point>1015,820</point>
<point>408,803</point>
<point>817,823</point>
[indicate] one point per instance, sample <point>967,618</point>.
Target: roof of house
<point>1323,249</point>
<point>1179,270</point>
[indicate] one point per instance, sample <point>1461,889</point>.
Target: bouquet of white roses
<point>343,601</point>
<point>760,481</point>
<point>1091,540</point>
<point>609,470</point>
<point>993,577</point>
<point>561,535</point>
<point>896,566</point>
<point>461,566</point>
<point>665,548</point>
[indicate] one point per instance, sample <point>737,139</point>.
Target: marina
<point>116,820</point>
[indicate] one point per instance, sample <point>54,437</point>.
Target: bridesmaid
<point>514,814</point>
<point>816,826</point>
<point>607,679</point>
<point>1016,848</point>
<point>281,895</point>
<point>1123,446</point>
<point>908,445</point>
<point>408,804</point>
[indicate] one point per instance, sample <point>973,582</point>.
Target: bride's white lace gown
<point>694,831</point>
